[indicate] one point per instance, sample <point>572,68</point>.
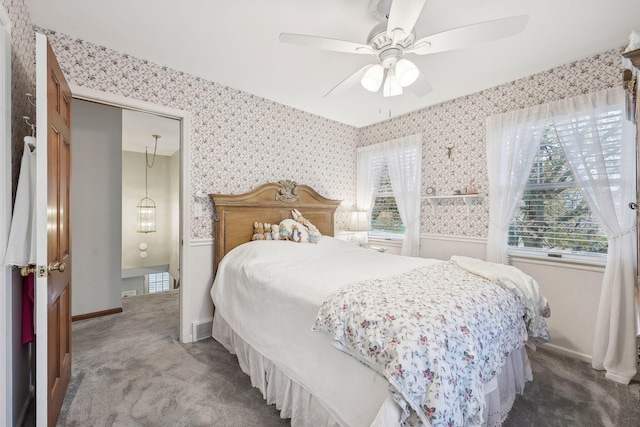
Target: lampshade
<point>372,78</point>
<point>406,72</point>
<point>391,85</point>
<point>146,216</point>
<point>359,221</point>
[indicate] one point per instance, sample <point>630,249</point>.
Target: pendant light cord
<point>149,166</point>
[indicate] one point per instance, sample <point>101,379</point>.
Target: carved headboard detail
<point>234,215</point>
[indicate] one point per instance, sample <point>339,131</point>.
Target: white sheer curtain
<point>368,178</point>
<point>592,129</point>
<point>404,160</point>
<point>512,141</point>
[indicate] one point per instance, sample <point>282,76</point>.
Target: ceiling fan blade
<point>326,43</point>
<point>350,81</point>
<point>469,35</point>
<point>421,86</point>
<point>402,18</point>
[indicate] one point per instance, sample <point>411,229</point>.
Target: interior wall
<point>96,206</point>
<point>15,378</point>
<point>160,178</point>
<point>461,123</point>
<point>238,140</point>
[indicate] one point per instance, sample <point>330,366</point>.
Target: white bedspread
<point>275,316</point>
<point>247,288</point>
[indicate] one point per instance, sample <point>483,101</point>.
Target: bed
<point>268,294</point>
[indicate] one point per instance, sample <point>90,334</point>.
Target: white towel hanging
<point>21,247</point>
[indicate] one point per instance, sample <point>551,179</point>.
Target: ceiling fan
<point>394,37</point>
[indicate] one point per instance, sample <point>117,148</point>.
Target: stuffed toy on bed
<point>258,231</point>
<point>284,233</point>
<point>304,221</point>
<point>297,232</point>
<point>267,231</point>
<point>275,232</point>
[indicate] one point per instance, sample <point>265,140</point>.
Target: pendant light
<point>146,206</point>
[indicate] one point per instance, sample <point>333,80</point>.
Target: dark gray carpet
<point>129,369</point>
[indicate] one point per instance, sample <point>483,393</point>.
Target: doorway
<point>183,227</point>
<point>150,203</point>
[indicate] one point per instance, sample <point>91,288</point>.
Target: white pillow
<point>289,224</point>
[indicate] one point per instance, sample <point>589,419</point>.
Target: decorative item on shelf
<point>146,206</point>
<point>431,191</point>
<point>457,192</point>
<point>358,223</point>
<point>470,189</point>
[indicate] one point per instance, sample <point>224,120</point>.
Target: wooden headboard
<point>234,215</point>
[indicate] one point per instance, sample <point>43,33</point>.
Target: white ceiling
<point>138,128</point>
<point>235,43</point>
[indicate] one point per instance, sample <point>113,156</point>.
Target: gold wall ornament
<point>449,149</point>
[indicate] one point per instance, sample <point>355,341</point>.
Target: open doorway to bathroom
<point>150,203</point>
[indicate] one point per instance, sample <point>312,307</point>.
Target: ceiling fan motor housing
<point>379,39</point>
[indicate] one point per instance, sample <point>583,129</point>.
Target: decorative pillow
<point>314,233</point>
<point>296,231</point>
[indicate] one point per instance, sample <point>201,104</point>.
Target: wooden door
<point>55,274</point>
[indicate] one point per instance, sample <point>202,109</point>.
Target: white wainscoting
<point>572,289</point>
<point>199,307</point>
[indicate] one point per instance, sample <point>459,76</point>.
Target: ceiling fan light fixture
<point>391,85</point>
<point>407,72</point>
<point>372,78</point>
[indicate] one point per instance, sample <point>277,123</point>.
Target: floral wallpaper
<point>23,79</point>
<point>460,123</point>
<point>238,140</point>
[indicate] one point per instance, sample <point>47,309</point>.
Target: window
<point>385,218</point>
<point>553,215</point>
<point>158,282</point>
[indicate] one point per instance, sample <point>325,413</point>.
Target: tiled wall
<point>238,141</point>
<point>461,123</point>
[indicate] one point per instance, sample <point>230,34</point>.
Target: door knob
<point>59,266</point>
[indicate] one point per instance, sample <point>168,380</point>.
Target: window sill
<point>596,261</point>
<point>382,241</point>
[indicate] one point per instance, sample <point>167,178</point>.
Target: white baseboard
<point>566,352</point>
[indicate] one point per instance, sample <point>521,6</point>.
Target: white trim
<point>558,262</point>
<point>566,352</point>
<point>377,241</point>
<point>462,239</point>
<point>41,291</point>
<point>6,285</point>
<point>80,92</point>
<point>201,242</point>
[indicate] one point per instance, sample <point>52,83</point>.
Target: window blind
<point>385,218</point>
<point>553,214</point>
